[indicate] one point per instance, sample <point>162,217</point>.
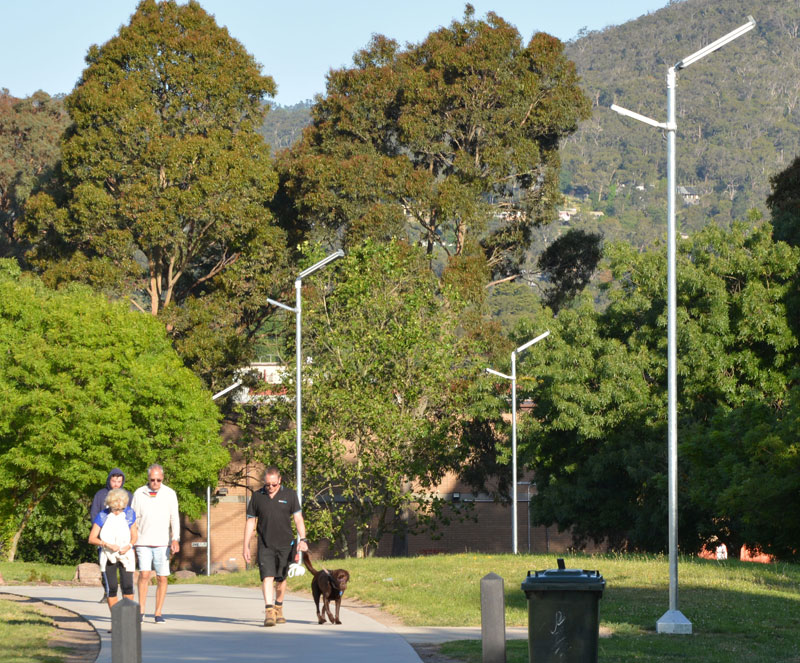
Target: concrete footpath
<point>218,623</point>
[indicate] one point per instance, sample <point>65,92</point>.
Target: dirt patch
<point>371,610</point>
<point>431,654</point>
<point>74,636</point>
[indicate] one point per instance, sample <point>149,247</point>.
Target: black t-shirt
<point>274,516</point>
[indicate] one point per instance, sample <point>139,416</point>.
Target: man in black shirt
<point>270,512</point>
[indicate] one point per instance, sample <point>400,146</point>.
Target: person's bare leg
<point>267,588</point>
<point>280,590</point>
<point>112,601</point>
<point>143,582</point>
<point>270,614</point>
<point>161,593</point>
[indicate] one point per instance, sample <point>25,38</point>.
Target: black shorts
<point>110,579</point>
<point>274,562</point>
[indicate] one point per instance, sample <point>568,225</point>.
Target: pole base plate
<point>674,622</point>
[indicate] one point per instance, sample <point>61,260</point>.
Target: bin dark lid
<point>575,580</point>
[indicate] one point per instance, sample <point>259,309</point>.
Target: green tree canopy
<point>166,181</point>
<point>30,138</point>
<point>567,265</point>
<point>744,474</point>
<point>784,203</point>
<point>454,140</point>
<point>384,393</point>
<point>598,439</point>
<point>86,385</point>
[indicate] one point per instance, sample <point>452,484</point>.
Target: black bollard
<point>493,619</point>
<point>126,632</point>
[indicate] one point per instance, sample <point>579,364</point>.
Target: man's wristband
<point>304,539</point>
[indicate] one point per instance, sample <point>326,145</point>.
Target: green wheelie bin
<point>563,622</point>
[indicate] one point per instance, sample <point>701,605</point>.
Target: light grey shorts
<point>152,557</point>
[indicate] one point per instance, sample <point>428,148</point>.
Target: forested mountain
<point>737,114</point>
<point>284,125</point>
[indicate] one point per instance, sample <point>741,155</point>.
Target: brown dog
<point>329,585</point>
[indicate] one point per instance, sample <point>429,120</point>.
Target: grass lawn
<point>21,572</point>
<point>739,611</point>
<point>24,633</point>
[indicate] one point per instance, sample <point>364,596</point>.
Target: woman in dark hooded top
<point>116,479</point>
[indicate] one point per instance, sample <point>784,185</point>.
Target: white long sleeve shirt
<point>157,516</point>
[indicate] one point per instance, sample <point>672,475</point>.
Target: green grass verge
<point>22,572</point>
<point>24,633</point>
<point>738,610</point>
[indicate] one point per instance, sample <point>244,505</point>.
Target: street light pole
<point>513,378</point>
<point>298,343</point>
<point>673,621</point>
<point>298,311</point>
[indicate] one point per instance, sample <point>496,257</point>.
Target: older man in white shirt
<point>156,507</point>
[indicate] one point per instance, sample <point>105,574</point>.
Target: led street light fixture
<point>738,32</point>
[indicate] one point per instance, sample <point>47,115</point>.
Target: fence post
<point>493,619</point>
<point>126,632</point>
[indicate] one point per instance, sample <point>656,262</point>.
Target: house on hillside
<point>567,214</point>
<point>690,195</point>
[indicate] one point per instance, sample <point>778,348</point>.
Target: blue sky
<point>44,42</point>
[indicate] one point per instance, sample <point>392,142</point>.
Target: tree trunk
<point>153,292</point>
<point>400,534</point>
<point>12,550</point>
<point>343,546</point>
<point>461,238</point>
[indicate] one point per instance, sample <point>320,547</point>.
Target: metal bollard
<point>493,619</point>
<point>126,632</point>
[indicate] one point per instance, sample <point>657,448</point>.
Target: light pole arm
<point>283,306</point>
<point>499,374</point>
<point>226,390</point>
<point>319,265</point>
<point>641,118</point>
<point>706,50</point>
<point>525,346</point>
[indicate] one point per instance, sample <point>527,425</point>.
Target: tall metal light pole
<point>673,621</point>
<point>297,310</point>
<point>513,378</point>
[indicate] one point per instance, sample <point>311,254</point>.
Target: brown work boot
<point>270,617</point>
<point>279,618</point>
